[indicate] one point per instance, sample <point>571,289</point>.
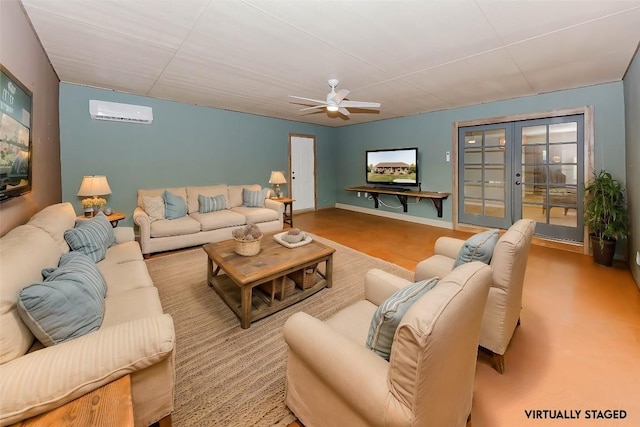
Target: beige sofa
<point>199,228</point>
<point>334,380</point>
<point>508,265</point>
<point>135,336</point>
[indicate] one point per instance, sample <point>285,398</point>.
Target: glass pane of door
<point>483,172</point>
<point>550,193</point>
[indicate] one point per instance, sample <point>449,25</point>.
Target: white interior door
<point>302,149</point>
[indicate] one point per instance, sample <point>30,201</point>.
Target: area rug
<point>229,376</point>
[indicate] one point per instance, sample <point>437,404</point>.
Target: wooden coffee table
<point>242,275</point>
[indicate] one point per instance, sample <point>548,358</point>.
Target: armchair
<point>333,379</point>
<point>508,264</point>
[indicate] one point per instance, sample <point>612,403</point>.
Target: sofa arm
<point>448,246</point>
<point>275,205</point>
<point>48,378</point>
<point>380,285</point>
<point>343,365</point>
<point>124,234</point>
<point>143,221</point>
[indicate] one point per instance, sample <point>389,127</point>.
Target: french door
<point>525,169</point>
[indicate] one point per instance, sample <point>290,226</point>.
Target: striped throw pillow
<point>254,198</point>
<point>80,268</point>
<point>387,317</point>
<point>211,204</point>
<point>91,237</point>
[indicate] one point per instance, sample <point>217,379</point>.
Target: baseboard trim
<point>393,215</point>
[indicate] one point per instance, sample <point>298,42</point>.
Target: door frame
<point>315,168</point>
<point>588,160</point>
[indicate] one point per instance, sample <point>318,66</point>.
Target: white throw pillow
<point>154,206</point>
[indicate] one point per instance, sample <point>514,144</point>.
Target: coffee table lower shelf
<point>262,304</point>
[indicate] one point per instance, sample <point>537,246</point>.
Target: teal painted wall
<point>185,145</point>
<point>632,114</point>
<point>432,133</point>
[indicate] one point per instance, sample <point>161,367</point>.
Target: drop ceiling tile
<point>244,37</point>
<point>97,76</point>
<point>520,20</point>
<point>164,23</point>
<point>487,77</point>
<point>397,37</point>
<point>83,43</point>
<point>584,55</point>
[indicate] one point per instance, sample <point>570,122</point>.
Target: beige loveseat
<point>508,265</point>
<point>197,228</point>
<point>334,380</point>
<point>135,336</point>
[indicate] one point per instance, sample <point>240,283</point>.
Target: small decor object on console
<point>294,235</point>
<point>247,240</point>
<point>292,238</point>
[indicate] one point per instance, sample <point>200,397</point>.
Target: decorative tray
<point>278,238</point>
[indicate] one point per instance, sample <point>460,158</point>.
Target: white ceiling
<point>411,56</point>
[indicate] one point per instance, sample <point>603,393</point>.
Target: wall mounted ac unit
<point>114,111</point>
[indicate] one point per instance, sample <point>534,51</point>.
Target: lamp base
<point>277,191</point>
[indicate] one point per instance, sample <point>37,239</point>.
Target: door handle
<point>517,182</point>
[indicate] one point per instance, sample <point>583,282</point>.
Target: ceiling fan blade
<point>343,111</point>
<point>340,95</point>
<point>360,104</point>
<point>317,101</point>
<point>313,108</point>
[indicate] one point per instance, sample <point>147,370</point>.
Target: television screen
<point>397,166</point>
<point>15,137</point>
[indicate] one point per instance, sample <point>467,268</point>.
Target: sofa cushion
<point>218,219</point>
<point>256,215</point>
<point>235,193</point>
<point>91,237</point>
<point>60,310</point>
<point>254,198</point>
<point>55,220</point>
<point>478,247</point>
<point>154,207</point>
<point>174,227</point>
<point>193,204</point>
<point>211,204</point>
<point>77,267</point>
<point>174,206</point>
<point>131,305</point>
<point>387,317</point>
<point>24,251</point>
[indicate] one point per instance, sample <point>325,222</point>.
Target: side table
<point>110,405</point>
<point>113,217</point>
<point>287,217</point>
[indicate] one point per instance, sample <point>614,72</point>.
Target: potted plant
<point>605,213</point>
<point>87,205</point>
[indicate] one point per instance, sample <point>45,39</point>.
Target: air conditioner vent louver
<point>113,111</point>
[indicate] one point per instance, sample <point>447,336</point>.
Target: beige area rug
<point>229,376</point>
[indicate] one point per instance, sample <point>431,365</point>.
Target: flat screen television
<point>15,137</point>
<point>394,166</point>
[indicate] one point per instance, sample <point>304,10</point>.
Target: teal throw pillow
<point>91,237</point>
<point>478,247</point>
<point>254,198</point>
<point>174,206</point>
<point>387,317</point>
<point>69,303</point>
<point>78,267</point>
<point>211,204</point>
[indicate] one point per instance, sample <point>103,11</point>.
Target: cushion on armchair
<point>478,247</point>
<point>387,317</point>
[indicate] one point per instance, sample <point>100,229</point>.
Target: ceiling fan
<point>336,101</point>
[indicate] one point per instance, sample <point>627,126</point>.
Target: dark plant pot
<point>603,256</point>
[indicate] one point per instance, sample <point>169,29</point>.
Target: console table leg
<point>438,204</point>
<point>375,198</point>
<point>403,201</point>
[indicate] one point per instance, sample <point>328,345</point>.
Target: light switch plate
<point>447,156</point>
<point>638,257</point>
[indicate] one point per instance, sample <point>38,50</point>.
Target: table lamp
<point>94,186</point>
<point>277,178</point>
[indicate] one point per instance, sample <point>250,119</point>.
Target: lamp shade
<point>95,185</point>
<point>277,177</point>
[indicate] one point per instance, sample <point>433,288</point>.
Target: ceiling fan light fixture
<point>333,108</point>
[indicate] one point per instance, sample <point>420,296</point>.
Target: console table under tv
<point>435,197</point>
